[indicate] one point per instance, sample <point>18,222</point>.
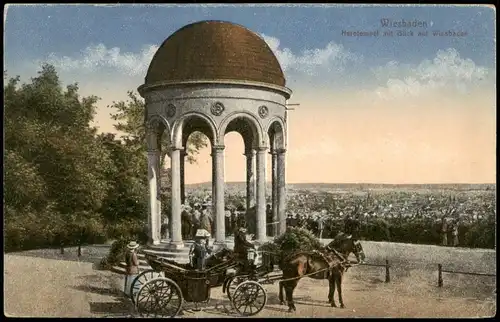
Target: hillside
<point>354,186</point>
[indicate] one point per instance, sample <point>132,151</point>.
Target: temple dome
<point>214,51</point>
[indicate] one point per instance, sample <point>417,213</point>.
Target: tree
<point>130,117</point>
<point>126,197</point>
<point>54,166</point>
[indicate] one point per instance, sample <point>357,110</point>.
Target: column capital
<point>280,151</point>
<point>218,147</point>
<point>249,153</point>
<point>261,149</point>
<point>273,152</point>
<point>183,152</point>
<point>217,150</point>
<point>175,148</point>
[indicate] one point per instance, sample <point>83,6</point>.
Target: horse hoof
<point>342,306</point>
<point>282,303</point>
<point>290,310</point>
<point>333,304</point>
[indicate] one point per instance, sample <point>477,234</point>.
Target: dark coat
<point>241,244</point>
<point>205,223</point>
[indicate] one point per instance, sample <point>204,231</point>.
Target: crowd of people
<point>445,219</point>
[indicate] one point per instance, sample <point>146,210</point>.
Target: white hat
<point>132,245</point>
<point>202,233</point>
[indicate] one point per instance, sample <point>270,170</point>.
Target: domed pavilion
<point>216,77</point>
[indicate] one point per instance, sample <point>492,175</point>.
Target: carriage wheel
<point>160,297</point>
<point>140,280</point>
<point>233,283</point>
<point>249,298</point>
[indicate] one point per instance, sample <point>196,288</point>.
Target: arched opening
<point>235,178</point>
<point>193,132</point>
<point>158,141</point>
<point>276,137</point>
<point>240,137</point>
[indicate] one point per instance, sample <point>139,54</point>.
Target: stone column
<point>175,213</point>
<point>281,187</point>
<point>159,168</point>
<point>274,161</point>
<point>261,195</point>
<point>250,155</point>
<point>183,176</point>
<point>218,193</point>
<point>153,224</point>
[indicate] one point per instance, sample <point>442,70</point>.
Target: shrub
<point>296,239</point>
<point>116,252</point>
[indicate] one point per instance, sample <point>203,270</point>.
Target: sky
<point>417,106</point>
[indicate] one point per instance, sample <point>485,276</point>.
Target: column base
<point>175,245</point>
<point>153,242</point>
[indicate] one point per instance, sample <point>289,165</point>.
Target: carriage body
<point>174,283</point>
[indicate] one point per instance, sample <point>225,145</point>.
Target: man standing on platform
<point>227,221</point>
<point>186,222</point>
<point>205,222</point>
<point>269,220</point>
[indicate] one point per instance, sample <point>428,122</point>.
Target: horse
<point>329,263</point>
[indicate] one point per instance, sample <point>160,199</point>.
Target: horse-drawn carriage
<point>161,291</point>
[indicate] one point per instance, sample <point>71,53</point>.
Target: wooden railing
<point>387,267</point>
<point>441,271</point>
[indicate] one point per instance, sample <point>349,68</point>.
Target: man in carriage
<point>242,247</point>
<point>199,250</point>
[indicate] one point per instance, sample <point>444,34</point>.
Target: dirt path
<point>57,288</point>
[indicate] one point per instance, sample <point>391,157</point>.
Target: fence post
<point>440,275</point>
<point>387,273</point>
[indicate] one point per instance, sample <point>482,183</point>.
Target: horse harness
<point>330,260</point>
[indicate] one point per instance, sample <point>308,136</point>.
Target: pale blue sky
<point>33,32</point>
<point>416,109</point>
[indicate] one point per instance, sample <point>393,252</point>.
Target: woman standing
<point>132,269</point>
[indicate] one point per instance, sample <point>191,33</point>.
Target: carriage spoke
<point>249,298</point>
<point>159,297</point>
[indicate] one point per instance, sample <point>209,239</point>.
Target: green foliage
<point>56,173</point>
<point>293,240</point>
<point>131,229</point>
<point>297,239</point>
<point>126,196</point>
<point>117,252</point>
<point>42,124</point>
<point>130,117</point>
